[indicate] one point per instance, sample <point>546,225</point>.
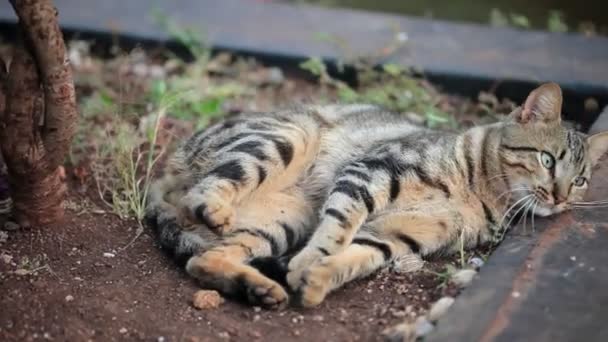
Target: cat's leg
<point>365,255</point>
<point>261,157</point>
<point>162,217</point>
<point>266,226</point>
<point>361,188</point>
<point>400,236</point>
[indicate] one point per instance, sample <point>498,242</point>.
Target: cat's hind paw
<point>219,217</point>
<point>269,295</point>
<point>215,213</point>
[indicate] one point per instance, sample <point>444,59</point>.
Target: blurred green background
<point>589,16</point>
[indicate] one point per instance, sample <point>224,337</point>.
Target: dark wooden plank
<point>548,286</point>
<point>284,30</point>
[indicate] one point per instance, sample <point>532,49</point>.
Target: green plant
<point>519,20</point>
<point>187,37</point>
<point>29,265</point>
<point>390,86</point>
<point>197,95</point>
<point>124,166</point>
<point>500,19</point>
<point>443,276</point>
<point>197,100</point>
<point>463,260</point>
<point>556,22</point>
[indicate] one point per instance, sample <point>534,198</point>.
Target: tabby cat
<point>348,189</point>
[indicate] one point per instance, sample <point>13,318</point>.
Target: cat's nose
<point>559,196</point>
<point>559,199</point>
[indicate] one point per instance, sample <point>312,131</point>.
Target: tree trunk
<point>38,122</point>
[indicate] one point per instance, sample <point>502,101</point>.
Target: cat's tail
<point>161,217</point>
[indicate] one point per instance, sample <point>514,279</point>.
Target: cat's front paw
<point>315,285</point>
<point>299,264</point>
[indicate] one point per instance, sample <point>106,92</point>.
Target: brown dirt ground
<point>78,294</point>
<point>75,293</point>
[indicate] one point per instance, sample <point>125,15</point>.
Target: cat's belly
<point>435,222</point>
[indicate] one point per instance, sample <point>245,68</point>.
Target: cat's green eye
<point>580,181</point>
<point>547,160</point>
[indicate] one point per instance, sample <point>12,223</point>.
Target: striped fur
<point>350,189</point>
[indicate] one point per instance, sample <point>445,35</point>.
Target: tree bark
<point>38,122</point>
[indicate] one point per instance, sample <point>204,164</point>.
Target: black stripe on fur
<point>338,216</point>
<point>379,245</point>
<point>274,268</point>
<point>409,241</point>
<point>168,234</point>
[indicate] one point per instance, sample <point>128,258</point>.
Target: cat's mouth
<point>547,203</point>
<point>537,202</point>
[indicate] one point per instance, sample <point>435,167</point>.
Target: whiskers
<point>500,175</point>
<point>530,209</point>
<point>589,205</point>
<point>512,212</point>
<point>511,191</point>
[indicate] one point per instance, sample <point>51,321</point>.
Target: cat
<point>340,191</point>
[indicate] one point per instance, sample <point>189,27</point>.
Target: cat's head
<point>542,160</point>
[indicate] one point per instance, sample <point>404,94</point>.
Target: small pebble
<point>404,332</point>
<point>160,339</point>
<point>398,313</point>
<point>440,308</point>
<point>463,278</point>
<point>275,76</point>
<point>591,105</point>
<point>3,236</point>
<point>108,255</point>
<point>423,326</point>
<point>207,299</point>
<point>255,333</point>
<point>21,272</point>
<point>123,330</point>
<point>515,294</point>
<point>6,258</point>
<point>402,37</point>
<point>476,262</point>
<point>69,298</point>
<point>10,225</point>
<point>415,118</point>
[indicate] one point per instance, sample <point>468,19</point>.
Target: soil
<point>83,280</point>
<point>86,282</point>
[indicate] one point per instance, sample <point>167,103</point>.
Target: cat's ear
<point>544,104</point>
<point>598,145</point>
